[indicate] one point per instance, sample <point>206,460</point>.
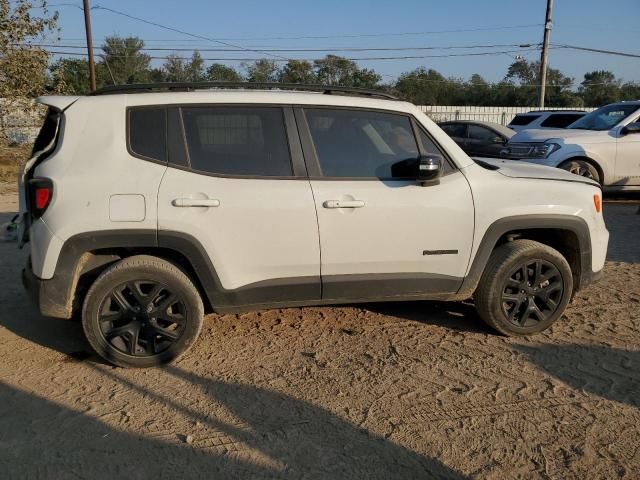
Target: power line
<point>155,24</point>
<point>327,49</point>
<point>598,50</point>
<point>301,37</point>
<point>394,34</point>
<point>404,57</point>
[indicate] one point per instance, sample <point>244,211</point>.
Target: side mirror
<point>631,128</point>
<point>499,140</point>
<point>429,168</point>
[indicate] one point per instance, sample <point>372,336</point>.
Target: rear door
<point>381,233</point>
<point>237,185</point>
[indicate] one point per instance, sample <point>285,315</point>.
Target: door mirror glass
<point>631,128</point>
<point>429,168</point>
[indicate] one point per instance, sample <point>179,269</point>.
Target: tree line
<point>26,71</point>
<point>123,61</point>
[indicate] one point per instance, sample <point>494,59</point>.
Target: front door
<point>627,170</point>
<point>484,142</point>
<point>382,234</point>
<point>238,193</point>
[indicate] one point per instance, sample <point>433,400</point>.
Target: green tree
<point>173,69</point>
<point>194,69</point>
<point>428,87</point>
<point>262,71</point>
<point>298,71</point>
<point>477,91</point>
<point>125,61</point>
<point>23,67</point>
<point>71,75</point>
<point>334,70</point>
<point>630,91</point>
<point>526,76</point>
<point>218,72</point>
<point>599,88</point>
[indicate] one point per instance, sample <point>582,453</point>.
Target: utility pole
<point>92,65</point>
<point>548,24</point>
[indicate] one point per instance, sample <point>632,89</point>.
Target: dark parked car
<point>477,138</point>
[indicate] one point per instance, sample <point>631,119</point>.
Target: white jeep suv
<point>604,145</point>
<point>147,206</point>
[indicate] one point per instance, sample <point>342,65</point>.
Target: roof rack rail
<point>191,86</point>
<point>561,110</point>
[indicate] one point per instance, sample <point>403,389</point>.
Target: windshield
<point>605,117</point>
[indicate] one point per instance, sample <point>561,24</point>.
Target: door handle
<point>195,202</point>
<point>343,204</point>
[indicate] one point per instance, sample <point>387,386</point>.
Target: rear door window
<point>457,130</point>
<point>520,120</point>
<point>560,120</point>
<point>480,133</point>
<point>244,141</point>
<point>148,132</point>
<point>358,143</point>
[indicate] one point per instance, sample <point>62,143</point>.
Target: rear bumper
<point>45,294</point>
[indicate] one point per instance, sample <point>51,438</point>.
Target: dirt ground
<point>415,390</point>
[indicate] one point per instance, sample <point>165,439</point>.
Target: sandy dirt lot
<point>415,390</point>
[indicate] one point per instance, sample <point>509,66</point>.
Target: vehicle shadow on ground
<point>460,316</point>
<point>611,373</point>
<point>274,436</point>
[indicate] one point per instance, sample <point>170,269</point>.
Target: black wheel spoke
<point>142,318</point>
<point>133,340</point>
<point>532,293</point>
<point>121,301</point>
<point>122,331</point>
<point>164,332</point>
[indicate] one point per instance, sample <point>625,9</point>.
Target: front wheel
<point>525,287</point>
<point>582,168</point>
<point>142,311</point>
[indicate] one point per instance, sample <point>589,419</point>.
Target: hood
<point>518,169</point>
<point>541,135</point>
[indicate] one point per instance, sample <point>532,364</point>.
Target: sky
<point>252,24</point>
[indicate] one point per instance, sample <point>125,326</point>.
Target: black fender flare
<point>519,223</point>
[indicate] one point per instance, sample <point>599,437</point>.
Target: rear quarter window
<point>148,132</point>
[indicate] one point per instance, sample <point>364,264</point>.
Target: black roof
<point>192,86</point>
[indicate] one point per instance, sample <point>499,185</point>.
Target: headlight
<point>529,150</point>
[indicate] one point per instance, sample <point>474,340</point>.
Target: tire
<point>583,169</point>
<point>142,311</point>
<point>510,299</point>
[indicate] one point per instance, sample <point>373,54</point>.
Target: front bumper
<point>589,278</point>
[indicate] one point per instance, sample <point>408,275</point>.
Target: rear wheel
<point>142,311</point>
<point>582,168</point>
<point>525,287</point>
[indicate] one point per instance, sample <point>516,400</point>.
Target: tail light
<point>40,196</point>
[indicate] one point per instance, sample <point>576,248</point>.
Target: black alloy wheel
<point>142,317</point>
<point>532,292</point>
<point>142,311</point>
